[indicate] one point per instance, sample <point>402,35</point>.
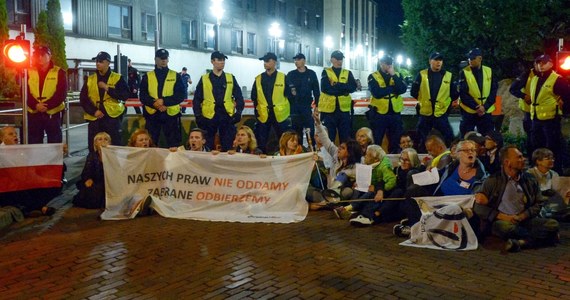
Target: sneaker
<point>400,230</point>
<point>341,213</point>
<point>361,221</point>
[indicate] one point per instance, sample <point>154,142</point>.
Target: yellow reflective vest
<point>327,103</point>
<point>281,107</point>
<point>545,106</point>
<point>443,96</point>
<point>209,103</point>
<point>113,106</point>
<point>382,104</point>
<point>474,88</point>
<point>48,90</point>
<point>522,104</point>
<point>167,90</point>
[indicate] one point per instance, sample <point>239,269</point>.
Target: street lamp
<point>275,32</point>
<point>399,60</point>
<point>408,62</point>
<point>380,54</point>
<point>217,10</point>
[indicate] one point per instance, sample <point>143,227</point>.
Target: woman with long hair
<point>245,142</point>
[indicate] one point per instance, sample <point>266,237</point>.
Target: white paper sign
<point>363,177</point>
<point>426,177</point>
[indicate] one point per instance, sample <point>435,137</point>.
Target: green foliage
<point>49,32</point>
<point>517,140</point>
<point>8,86</point>
<point>507,31</point>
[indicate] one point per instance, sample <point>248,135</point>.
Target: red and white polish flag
<point>24,167</point>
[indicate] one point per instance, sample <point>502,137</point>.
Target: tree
<point>8,86</point>
<point>507,31</point>
<point>49,32</point>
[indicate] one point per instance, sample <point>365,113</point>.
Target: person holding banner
<point>141,139</point>
<point>92,184</point>
<point>245,142</point>
<point>32,202</point>
<point>289,144</point>
<point>196,141</point>
<point>101,98</point>
<point>463,176</point>
<point>509,204</point>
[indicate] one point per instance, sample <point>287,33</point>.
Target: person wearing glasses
<point>463,176</point>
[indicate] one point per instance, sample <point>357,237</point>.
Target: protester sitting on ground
<point>245,142</point>
<point>364,138</point>
<point>493,143</point>
<point>463,176</point>
<point>382,182</point>
<point>440,156</point>
<point>479,142</point>
<point>406,141</point>
<point>509,205</point>
<point>33,202</point>
<point>91,186</point>
<point>141,139</point>
<point>289,144</point>
<point>8,136</point>
<point>554,204</point>
<point>196,141</point>
<point>342,174</point>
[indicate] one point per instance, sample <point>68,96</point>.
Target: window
<point>209,36</point>
<point>237,41</point>
<point>302,17</point>
<point>119,21</point>
<point>67,13</point>
<point>271,7</point>
<point>188,31</point>
<point>270,45</point>
<point>318,23</point>
<point>280,49</point>
<point>148,26</point>
<point>19,12</point>
<point>282,7</point>
<point>252,5</point>
<point>307,53</point>
<point>251,42</point>
<point>319,56</point>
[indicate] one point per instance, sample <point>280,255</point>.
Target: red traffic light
<point>16,54</point>
<point>563,63</point>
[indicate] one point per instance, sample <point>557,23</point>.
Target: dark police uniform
<point>50,88</point>
<point>218,105</point>
<point>93,98</point>
<point>166,84</point>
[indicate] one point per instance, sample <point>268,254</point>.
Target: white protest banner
<point>24,167</point>
<point>443,225</point>
<point>203,186</point>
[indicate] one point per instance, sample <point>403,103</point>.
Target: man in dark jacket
<point>509,202</point>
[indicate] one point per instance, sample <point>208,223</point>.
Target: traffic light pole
<point>24,85</point>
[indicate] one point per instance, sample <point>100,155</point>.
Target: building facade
<point>188,29</point>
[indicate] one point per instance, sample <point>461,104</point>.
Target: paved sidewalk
<point>74,255</point>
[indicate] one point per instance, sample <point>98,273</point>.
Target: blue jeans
<point>390,124</point>
<point>338,120</point>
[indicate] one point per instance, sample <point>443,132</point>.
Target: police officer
<point>548,94</point>
<point>134,84</point>
<point>520,88</point>
<point>434,91</point>
<point>101,98</point>
<point>47,89</point>
<point>270,93</point>
<point>386,103</point>
<point>304,88</point>
<point>477,89</point>
<point>161,92</point>
<point>218,103</point>
<point>335,103</point>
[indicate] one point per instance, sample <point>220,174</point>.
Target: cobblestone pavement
<point>74,255</point>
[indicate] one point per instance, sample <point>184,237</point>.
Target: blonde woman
<point>92,184</point>
<point>245,142</point>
